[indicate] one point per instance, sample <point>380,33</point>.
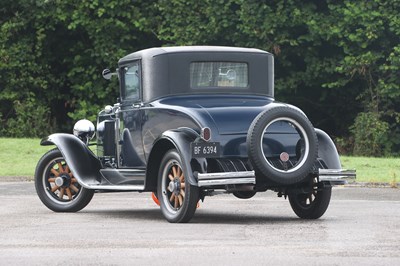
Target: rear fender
<point>180,140</point>
<point>84,165</point>
<point>327,150</point>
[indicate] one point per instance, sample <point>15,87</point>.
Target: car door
<point>131,153</point>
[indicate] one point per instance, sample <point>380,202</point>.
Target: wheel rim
<point>173,186</point>
<point>284,157</point>
<point>307,200</point>
<point>60,184</point>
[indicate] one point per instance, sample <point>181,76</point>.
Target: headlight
<point>84,129</point>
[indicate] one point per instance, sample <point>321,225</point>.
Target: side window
<point>132,82</point>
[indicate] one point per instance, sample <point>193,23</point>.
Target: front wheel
<point>56,185</point>
<point>178,198</point>
<point>311,205</point>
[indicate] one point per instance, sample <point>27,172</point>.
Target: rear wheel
<point>178,199</point>
<point>311,205</point>
<point>56,185</point>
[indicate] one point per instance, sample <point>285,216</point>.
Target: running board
<point>115,188</point>
<point>120,179</point>
<point>226,178</point>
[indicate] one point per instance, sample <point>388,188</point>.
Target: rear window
<point>218,74</point>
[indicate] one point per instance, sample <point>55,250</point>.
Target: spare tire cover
<point>283,168</point>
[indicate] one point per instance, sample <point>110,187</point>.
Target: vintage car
<point>193,122</point>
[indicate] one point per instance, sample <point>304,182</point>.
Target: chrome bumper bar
<point>226,178</point>
<point>334,176</point>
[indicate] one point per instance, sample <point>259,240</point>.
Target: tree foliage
<point>337,60</point>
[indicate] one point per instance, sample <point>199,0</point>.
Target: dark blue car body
<point>194,115</point>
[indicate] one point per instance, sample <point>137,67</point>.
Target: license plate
<point>205,149</point>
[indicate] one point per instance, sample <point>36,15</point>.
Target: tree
<point>338,61</point>
<point>52,54</point>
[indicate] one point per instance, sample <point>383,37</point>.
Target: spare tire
<point>282,167</point>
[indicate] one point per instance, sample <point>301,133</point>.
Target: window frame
<point>123,91</point>
<point>214,67</point>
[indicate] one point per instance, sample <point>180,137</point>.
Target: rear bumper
<point>334,176</point>
<point>226,178</point>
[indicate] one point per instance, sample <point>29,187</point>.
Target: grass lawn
<point>18,157</point>
<point>374,170</point>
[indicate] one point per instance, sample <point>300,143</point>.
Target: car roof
<point>166,70</point>
<point>157,51</point>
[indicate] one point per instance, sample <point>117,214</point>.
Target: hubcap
<point>174,186</point>
<point>59,181</point>
<point>64,180</point>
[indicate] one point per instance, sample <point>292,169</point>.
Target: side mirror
<point>107,74</point>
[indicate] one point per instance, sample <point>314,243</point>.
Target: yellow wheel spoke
<point>74,188</point>
<point>170,177</point>
<point>182,193</point>
<point>54,188</point>
<point>69,193</point>
<point>176,203</point>
<point>172,197</point>
<point>182,185</point>
<point>174,170</point>
<point>60,168</point>
<point>62,191</point>
<point>54,172</point>
<point>180,200</point>
<point>51,180</point>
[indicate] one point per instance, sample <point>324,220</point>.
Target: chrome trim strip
<point>217,182</point>
<point>336,174</point>
<point>226,178</point>
<point>226,175</point>
<point>112,187</point>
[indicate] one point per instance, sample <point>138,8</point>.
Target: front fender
<point>327,150</point>
<point>83,163</point>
